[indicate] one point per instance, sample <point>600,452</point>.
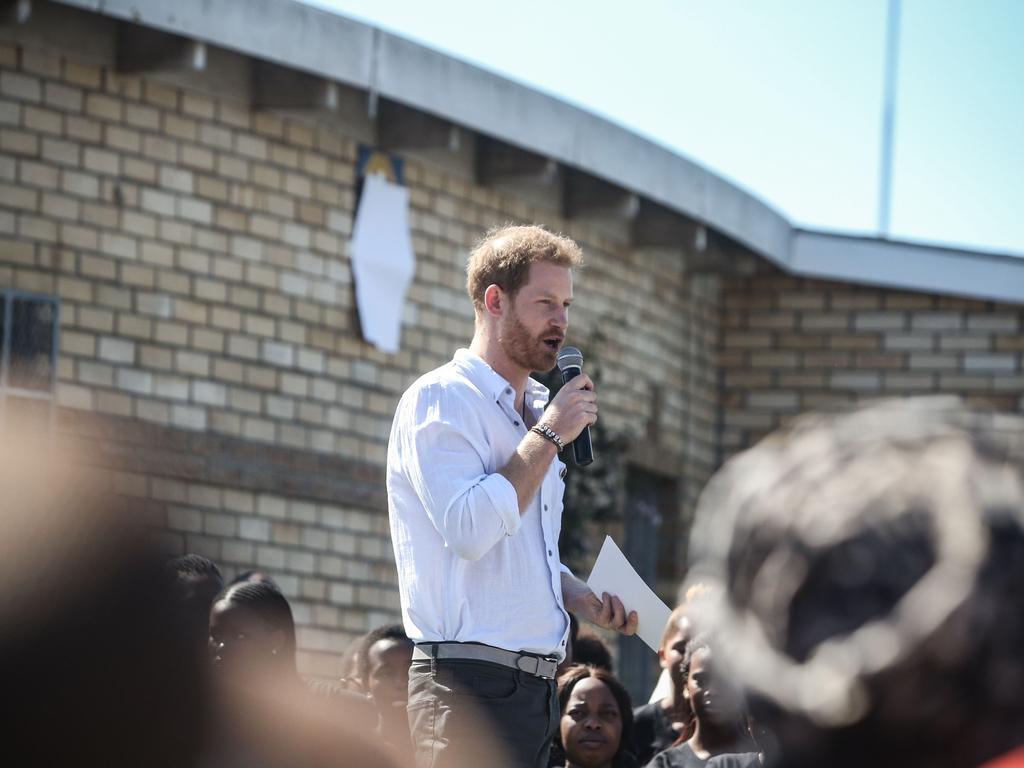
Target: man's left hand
<point>610,613</point>
<point>606,611</point>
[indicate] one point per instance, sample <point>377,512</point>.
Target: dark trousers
<point>474,714</point>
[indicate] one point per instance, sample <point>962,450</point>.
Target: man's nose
<point>561,318</point>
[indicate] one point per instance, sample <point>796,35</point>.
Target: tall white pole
<point>892,46</point>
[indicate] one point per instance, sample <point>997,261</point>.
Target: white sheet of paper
<point>383,261</point>
<point>613,574</point>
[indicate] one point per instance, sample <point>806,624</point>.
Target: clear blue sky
<point>783,97</point>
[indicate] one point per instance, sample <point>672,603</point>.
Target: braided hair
<point>267,602</point>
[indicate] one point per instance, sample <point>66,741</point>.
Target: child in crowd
<point>718,712</point>
<point>383,673</point>
<point>659,724</point>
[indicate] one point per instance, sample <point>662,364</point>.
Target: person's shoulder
<point>447,377</point>
<point>445,385</point>
<point>645,711</point>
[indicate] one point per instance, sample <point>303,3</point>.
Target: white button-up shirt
<point>470,567</point>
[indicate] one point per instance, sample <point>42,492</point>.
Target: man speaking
<point>475,502</point>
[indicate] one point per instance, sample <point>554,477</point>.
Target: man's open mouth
<point>553,343</point>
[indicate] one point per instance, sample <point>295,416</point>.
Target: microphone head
<point>570,357</point>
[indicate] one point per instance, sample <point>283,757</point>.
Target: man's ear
<point>494,300</point>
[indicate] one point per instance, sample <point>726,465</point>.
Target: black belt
<point>531,663</point>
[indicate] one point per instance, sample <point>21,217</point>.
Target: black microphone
<point>570,363</point>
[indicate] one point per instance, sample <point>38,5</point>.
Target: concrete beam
<point>657,226</point>
<point>400,128</point>
<point>144,49</point>
<point>276,87</point>
<point>588,197</point>
<point>908,266</point>
<point>498,162</point>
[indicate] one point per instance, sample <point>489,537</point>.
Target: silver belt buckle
<point>539,666</point>
<point>529,664</point>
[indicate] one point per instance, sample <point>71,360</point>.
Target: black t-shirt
<point>652,731</point>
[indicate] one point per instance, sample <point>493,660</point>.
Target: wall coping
<point>335,47</point>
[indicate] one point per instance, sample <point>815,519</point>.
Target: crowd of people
<point>248,629</point>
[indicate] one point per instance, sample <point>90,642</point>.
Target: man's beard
<point>526,350</point>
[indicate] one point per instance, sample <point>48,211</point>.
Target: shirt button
<point>516,423</point>
<point>508,391</point>
<point>545,507</point>
<point>549,553</point>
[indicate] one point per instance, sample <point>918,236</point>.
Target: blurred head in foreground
<point>96,662</point>
<point>872,566</point>
<point>97,666</point>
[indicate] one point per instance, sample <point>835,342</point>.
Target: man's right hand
<point>572,409</point>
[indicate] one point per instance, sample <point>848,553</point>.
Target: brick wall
<point>791,345</point>
<point>211,363</point>
<point>210,355</point>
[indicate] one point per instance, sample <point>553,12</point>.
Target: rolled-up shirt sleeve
<point>471,508</point>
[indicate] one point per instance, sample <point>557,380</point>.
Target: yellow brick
<point>71,289</point>
<point>92,317</point>
<point>40,62</point>
<point>125,139</point>
<point>37,228</point>
<point>60,206</point>
<point>197,105</point>
<point>197,157</point>
<point>208,340</point>
<point>113,403</point>
<point>43,120</point>
<point>181,127</point>
<point>140,170</point>
<point>142,117</point>
<point>18,142</point>
<point>20,198</point>
<point>17,252</point>
<point>160,95</point>
<point>104,107</point>
<point>135,274</point>
<point>173,282</point>
<point>60,152</point>
<point>172,333</point>
<point>82,74</point>
<point>134,326</point>
<point>127,86</point>
<point>65,97</point>
<point>20,86</point>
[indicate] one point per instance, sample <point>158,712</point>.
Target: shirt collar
<point>492,383</point>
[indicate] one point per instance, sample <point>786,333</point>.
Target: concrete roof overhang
<point>342,50</point>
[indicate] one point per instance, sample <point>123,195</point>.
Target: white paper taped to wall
<point>613,574</point>
<point>383,261</point>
